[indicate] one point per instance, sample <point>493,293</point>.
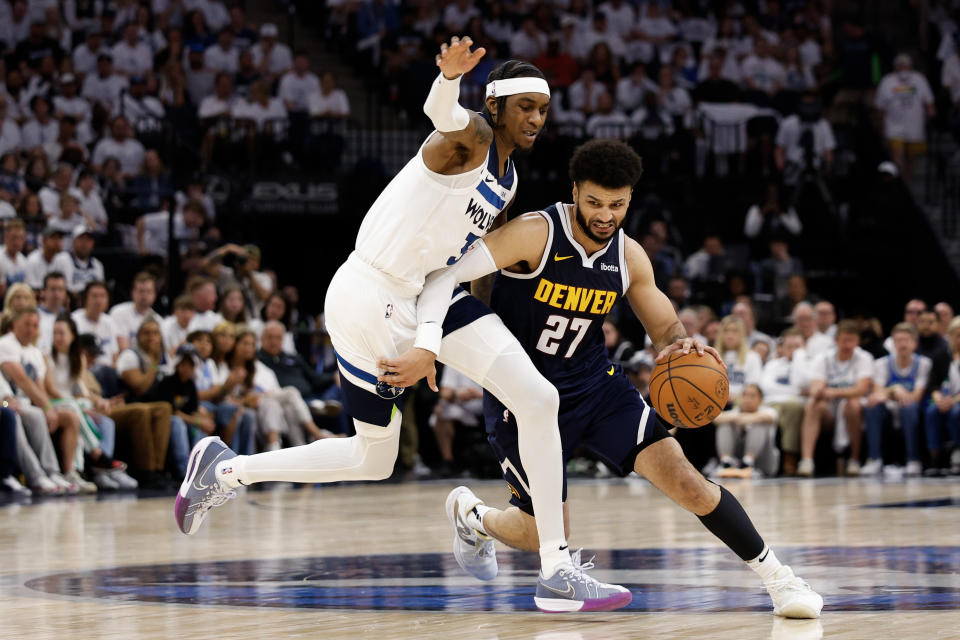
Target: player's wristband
<point>443,107</point>
<point>429,335</point>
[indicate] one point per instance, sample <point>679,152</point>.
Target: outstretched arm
<point>519,244</point>
<point>655,310</point>
<point>464,135</point>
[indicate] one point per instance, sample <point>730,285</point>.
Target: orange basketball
<point>689,390</point>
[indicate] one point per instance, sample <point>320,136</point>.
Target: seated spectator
<point>9,484</point>
<point>66,369</point>
<point>51,192</point>
<point>906,100</point>
<point>235,424</point>
<point>743,365</point>
<point>12,186</point>
<point>805,141</point>
<point>233,308</point>
<point>558,66</point>
<point>460,404</point>
<point>104,87</point>
<point>762,74</point>
<point>944,316</point>
<point>584,94</point>
<point>13,264</point>
<point>297,85</point>
<point>198,80</point>
<point>204,294</point>
<point>774,272</point>
<point>805,322</point>
<point>55,300</point>
<point>931,344</point>
<point>840,379</point>
<point>87,53</point>
<point>329,101</point>
<point>826,318</point>
<point>247,74</point>
<point>618,349</point>
<point>944,408</point>
<point>131,56</point>
<point>783,382</point>
<point>143,429</point>
<point>223,56</point>
<point>152,185</point>
<point>744,311</point>
<point>175,327</point>
<point>42,128</point>
<point>607,122</point>
<point>78,265</point>
<point>143,364</point>
<point>128,316</point>
<point>746,437</point>
<point>276,309</point>
<point>25,368</point>
<point>632,88</point>
<point>292,370</point>
<point>153,231</point>
<point>120,145</point>
<point>272,58</point>
<point>675,99</point>
<point>92,318</point>
<point>528,42</point>
<point>190,422</point>
<point>899,383</point>
<point>40,261</point>
<point>69,216</point>
<point>145,113</point>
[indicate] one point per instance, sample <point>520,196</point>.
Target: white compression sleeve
<point>443,106</point>
<point>369,455</point>
<point>434,300</point>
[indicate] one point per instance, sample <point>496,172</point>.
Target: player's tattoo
<point>481,128</point>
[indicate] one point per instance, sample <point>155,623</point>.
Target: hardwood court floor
<point>373,561</point>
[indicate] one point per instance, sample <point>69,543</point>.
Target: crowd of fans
<point>113,113</point>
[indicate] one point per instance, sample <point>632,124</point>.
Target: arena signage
<point>292,197</point>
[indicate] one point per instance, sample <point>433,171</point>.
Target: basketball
<point>689,390</point>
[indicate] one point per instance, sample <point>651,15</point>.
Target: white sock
<point>475,517</point>
<point>765,564</point>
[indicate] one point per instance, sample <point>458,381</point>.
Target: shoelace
<point>576,572</point>
<point>790,582</point>
<point>215,499</point>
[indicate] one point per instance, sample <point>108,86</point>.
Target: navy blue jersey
<point>557,311</point>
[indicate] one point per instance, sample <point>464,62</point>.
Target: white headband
<point>512,86</point>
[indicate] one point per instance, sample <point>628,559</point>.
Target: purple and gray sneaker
<point>571,589</point>
<point>201,490</point>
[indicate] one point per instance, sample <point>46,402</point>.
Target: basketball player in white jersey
<point>445,198</point>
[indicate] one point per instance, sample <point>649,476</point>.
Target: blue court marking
<point>490,196</point>
<point>915,504</point>
<point>914,578</point>
<point>360,373</point>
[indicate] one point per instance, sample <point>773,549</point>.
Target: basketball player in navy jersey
<point>445,198</point>
<point>561,270</point>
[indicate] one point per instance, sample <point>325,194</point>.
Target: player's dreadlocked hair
<point>509,69</point>
<point>612,164</point>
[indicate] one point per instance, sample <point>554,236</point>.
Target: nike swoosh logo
<point>196,481</point>
<point>765,555</point>
<point>557,257</point>
<point>567,593</point>
<point>610,372</point>
<point>489,179</point>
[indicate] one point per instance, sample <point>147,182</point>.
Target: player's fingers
<point>686,344</point>
<point>438,59</point>
<point>476,55</point>
<point>432,379</point>
<point>666,352</point>
<point>454,41</point>
<point>467,41</point>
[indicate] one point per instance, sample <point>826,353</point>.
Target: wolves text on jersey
<point>481,218</point>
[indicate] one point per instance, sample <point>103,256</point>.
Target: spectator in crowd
<point>944,409</point>
<point>232,307</point>
<point>528,42</point>
<point>25,368</point>
<point>131,56</point>
<point>292,370</point>
<point>128,316</point>
<point>42,128</point>
<point>59,184</point>
<point>931,344</point>
<point>40,261</point>
<point>204,294</point>
<point>944,316</point>
<point>906,100</point>
<point>198,79</point>
<point>298,84</point>
<point>277,309</point>
<point>175,327</point>
<point>899,383</point>
<point>708,261</point>
<point>774,272</point>
<point>272,58</point>
<point>631,88</point>
<point>13,264</point>
<point>750,428</point>
<point>805,141</point>
<point>244,36</point>
<point>153,230</point>
<point>223,57</point>
<point>55,300</point>
<point>783,383</point>
<point>86,54</point>
<point>143,429</point>
<point>744,365</point>
<point>247,74</point>
<point>826,318</point>
<point>87,193</point>
<point>69,215</point>
<point>805,322</point>
<point>142,366</point>
<point>93,318</point>
<point>190,421</point>
<point>78,265</point>
<point>244,274</point>
<point>69,394</point>
<point>608,122</point>
<point>104,87</point>
<point>839,380</point>
<point>618,348</point>
<point>9,484</point>
<point>911,314</point>
<point>122,146</point>
<point>152,186</point>
<point>584,94</point>
<point>329,101</point>
<point>744,311</point>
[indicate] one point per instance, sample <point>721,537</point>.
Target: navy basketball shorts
<point>611,420</point>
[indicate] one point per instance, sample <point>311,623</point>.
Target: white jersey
<point>424,221</point>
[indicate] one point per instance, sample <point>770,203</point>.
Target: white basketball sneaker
<point>873,467</point>
<point>473,550</point>
<point>792,597</point>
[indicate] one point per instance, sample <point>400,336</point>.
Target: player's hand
<point>685,345</point>
<point>407,369</point>
<point>456,58</point>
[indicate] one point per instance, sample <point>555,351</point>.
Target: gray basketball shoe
<point>571,589</point>
<point>201,490</point>
<point>473,550</point>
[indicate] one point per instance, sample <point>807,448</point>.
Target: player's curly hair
<point>504,71</point>
<point>612,164</point>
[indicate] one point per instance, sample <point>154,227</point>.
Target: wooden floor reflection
<point>373,561</point>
